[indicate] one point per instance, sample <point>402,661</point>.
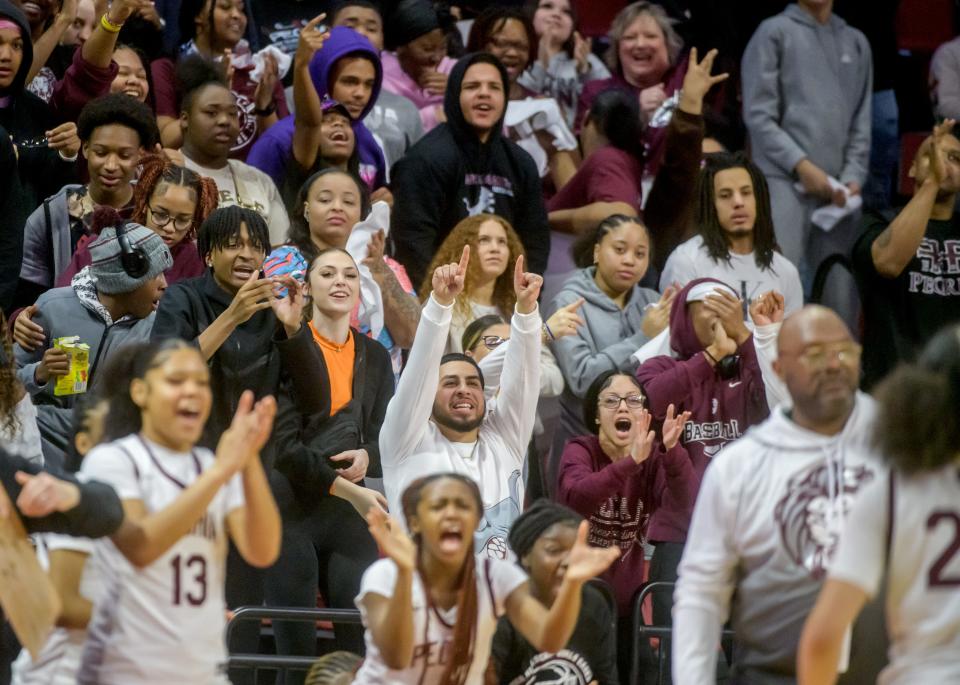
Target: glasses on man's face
<point>161,219</point>
<point>493,341</point>
<point>612,402</point>
<point>818,357</point>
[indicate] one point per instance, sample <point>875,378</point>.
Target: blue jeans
<point>884,151</point>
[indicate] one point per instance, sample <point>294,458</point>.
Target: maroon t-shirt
<point>167,102</point>
<point>607,175</point>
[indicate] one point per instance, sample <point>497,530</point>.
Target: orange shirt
<point>339,359</point>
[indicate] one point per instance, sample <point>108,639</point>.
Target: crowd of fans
<point>441,312</point>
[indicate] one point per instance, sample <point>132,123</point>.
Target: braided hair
<point>464,632</point>
<point>158,172</point>
<point>582,249</point>
<point>532,523</point>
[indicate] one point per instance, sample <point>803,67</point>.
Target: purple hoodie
<point>274,148</point>
<point>721,409</point>
<point>619,497</point>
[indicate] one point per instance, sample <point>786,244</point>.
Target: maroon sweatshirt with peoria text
<point>618,499</point>
<point>721,409</point>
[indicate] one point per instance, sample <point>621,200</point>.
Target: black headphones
<point>134,260</point>
<point>728,367</point>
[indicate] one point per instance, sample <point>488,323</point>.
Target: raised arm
<point>897,244</point>
<point>308,115</point>
<point>549,630</point>
<point>43,48</point>
<point>401,309</point>
<point>409,410</point>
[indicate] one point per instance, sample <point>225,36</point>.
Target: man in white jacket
<point>770,511</point>
<point>438,419</point>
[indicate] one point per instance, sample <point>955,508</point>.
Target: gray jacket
<point>395,122</point>
<point>606,340</point>
<point>46,240</point>
<point>561,81</point>
<point>807,91</point>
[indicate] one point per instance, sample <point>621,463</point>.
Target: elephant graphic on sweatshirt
<point>491,536</point>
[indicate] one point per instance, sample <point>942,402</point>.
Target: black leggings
<point>326,546</point>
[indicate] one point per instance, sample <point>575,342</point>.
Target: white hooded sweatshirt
<point>766,524</point>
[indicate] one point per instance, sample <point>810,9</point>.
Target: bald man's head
<point>820,363</point>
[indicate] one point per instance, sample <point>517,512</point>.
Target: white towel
<point>370,312</point>
<point>540,114</point>
<point>259,60</point>
<point>829,215</point>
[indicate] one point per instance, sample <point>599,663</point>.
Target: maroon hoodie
<point>618,498</point>
<point>721,409</point>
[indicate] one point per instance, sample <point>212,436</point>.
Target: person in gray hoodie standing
<point>618,317</point>
<point>107,304</point>
<point>807,86</point>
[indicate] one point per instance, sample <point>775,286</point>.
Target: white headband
<point>700,291</point>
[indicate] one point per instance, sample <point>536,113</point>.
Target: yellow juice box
<point>75,382</point>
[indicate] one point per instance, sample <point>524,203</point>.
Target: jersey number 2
<point>936,576</point>
<point>194,569</point>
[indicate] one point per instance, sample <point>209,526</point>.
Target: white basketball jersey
<point>162,623</point>
<point>923,583</point>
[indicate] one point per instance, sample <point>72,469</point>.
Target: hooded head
<point>346,43</point>
<point>683,329</point>
<point>457,120</point>
<point>14,18</point>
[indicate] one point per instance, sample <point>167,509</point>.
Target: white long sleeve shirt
<point>766,524</point>
<point>411,445</point>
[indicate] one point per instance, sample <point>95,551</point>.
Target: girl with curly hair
<point>19,434</point>
<point>494,247</point>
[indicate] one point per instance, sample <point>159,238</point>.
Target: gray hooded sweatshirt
<point>807,91</point>
<point>606,340</point>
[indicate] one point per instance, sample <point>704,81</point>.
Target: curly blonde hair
<point>467,232</point>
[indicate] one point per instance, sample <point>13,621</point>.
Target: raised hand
<point>288,308</point>
<point>355,463</point>
<point>448,279</point>
<point>698,81</point>
<point>935,153</point>
<point>26,333</point>
<point>311,40</point>
<point>565,320</point>
<point>527,287</point>
<point>657,318</point>
<point>585,562</point>
<point>263,95</point>
<point>254,295</point>
<point>673,427</point>
<point>767,309</point>
<point>374,259</point>
<point>582,47</point>
<point>643,437</point>
<point>392,539</point>
<point>247,434</point>
<point>729,310</point>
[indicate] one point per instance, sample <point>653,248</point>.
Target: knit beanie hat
<point>532,523</point>
<point>410,20</point>
<point>105,252</point>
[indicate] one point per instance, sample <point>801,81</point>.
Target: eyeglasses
<point>613,401</point>
<point>817,357</point>
<point>507,45</point>
<point>493,341</point>
<point>161,219</point>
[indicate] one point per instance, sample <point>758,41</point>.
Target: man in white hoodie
<point>439,421</point>
<point>770,509</point>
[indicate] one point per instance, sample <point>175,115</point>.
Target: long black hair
<point>592,397</point>
<point>616,114</point>
<point>917,428</point>
<point>714,237</point>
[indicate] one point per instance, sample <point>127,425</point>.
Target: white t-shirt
<point>242,185</point>
<point>923,605</point>
<point>162,623</point>
<point>433,628</point>
<point>690,260</point>
<point>60,657</point>
<point>25,441</point>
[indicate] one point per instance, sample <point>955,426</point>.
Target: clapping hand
<point>585,562</point>
<point>448,279</point>
<point>673,427</point>
<point>767,309</point>
<point>935,158</point>
<point>289,308</point>
<point>643,437</point>
<point>527,287</point>
<point>247,434</point>
<point>392,539</point>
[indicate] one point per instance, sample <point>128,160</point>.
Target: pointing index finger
<point>315,21</point>
<point>464,260</point>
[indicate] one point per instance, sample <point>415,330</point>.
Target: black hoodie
<point>26,118</point>
<point>450,175</point>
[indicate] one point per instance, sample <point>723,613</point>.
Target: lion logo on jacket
<point>811,513</point>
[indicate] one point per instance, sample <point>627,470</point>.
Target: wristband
<point>109,26</point>
<point>712,358</point>
<point>267,111</point>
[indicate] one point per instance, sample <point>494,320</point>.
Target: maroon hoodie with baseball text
<point>721,408</point>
